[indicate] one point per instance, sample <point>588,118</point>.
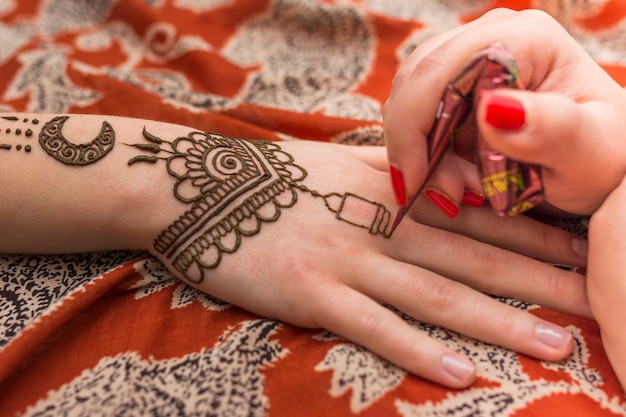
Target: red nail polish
<point>472,198</point>
<point>504,112</point>
<point>443,203</point>
<point>399,189</point>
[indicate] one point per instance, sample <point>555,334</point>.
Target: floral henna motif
<point>232,186</point>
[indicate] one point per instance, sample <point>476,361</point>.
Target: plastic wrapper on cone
<point>511,187</point>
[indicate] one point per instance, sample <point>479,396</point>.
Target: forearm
<point>68,186</point>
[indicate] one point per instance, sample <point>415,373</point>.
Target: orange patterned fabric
<point>115,334</point>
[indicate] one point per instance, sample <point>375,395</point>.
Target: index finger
<point>410,110</point>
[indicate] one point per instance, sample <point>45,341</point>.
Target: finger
<point>559,134</point>
<point>519,234</point>
<point>423,50</point>
<point>374,156</point>
<point>408,117</point>
<point>434,299</point>
<point>361,320</point>
<point>446,187</point>
<point>607,287</point>
<point>491,269</point>
<point>458,182</point>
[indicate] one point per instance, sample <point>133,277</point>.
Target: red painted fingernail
<point>503,112</point>
<point>443,203</point>
<point>472,198</point>
<point>399,189</point>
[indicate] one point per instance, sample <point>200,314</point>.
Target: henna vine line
<point>232,186</point>
<point>56,145</point>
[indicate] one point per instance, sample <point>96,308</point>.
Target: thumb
<point>539,128</point>
<point>577,144</point>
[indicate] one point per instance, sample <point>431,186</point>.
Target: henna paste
<point>232,187</point>
<point>17,132</point>
<point>56,145</point>
<point>356,210</point>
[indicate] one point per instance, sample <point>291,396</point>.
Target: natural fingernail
<point>397,182</point>
<point>580,247</point>
<point>442,202</point>
<point>472,198</point>
<point>503,112</point>
<point>554,336</point>
<point>459,367</point>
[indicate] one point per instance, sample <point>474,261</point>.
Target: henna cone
<point>511,187</point>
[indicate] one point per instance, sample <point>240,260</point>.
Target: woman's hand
<point>570,121</point>
<point>295,231</point>
<point>605,276</point>
<point>316,255</point>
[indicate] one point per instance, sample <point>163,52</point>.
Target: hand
<point>313,255</point>
<point>605,276</point>
<point>571,121</point>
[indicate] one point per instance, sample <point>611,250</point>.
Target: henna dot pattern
<point>16,133</point>
<point>56,145</point>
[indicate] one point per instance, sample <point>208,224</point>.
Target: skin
<point>56,207</point>
<point>574,124</point>
<point>569,96</point>
<point>606,284</point>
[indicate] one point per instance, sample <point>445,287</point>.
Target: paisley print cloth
<point>102,334</point>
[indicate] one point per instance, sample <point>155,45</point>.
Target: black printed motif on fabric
<point>57,146</point>
<point>232,186</point>
<point>225,380</point>
<point>31,285</point>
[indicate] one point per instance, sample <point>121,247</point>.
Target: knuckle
<point>544,238</point>
<point>537,17</point>
<point>441,294</point>
<point>500,12</point>
<point>508,318</point>
<point>560,284</point>
<point>491,257</point>
<point>415,351</point>
<point>370,323</point>
<point>432,63</point>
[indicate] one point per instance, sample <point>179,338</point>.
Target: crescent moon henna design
<point>232,186</point>
<point>57,146</point>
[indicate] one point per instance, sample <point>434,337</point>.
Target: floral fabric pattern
<point>116,334</point>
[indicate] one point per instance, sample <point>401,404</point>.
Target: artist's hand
<point>605,276</point>
<point>571,122</point>
<point>310,264</point>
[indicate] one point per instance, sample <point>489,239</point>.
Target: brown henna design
<point>57,146</point>
<point>354,209</point>
<point>232,187</point>
<point>16,129</point>
<point>53,142</point>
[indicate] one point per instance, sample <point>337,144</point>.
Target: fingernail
<point>554,336</point>
<point>503,112</point>
<point>459,367</point>
<point>472,198</point>
<point>442,202</point>
<point>397,182</point>
<point>580,247</point>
